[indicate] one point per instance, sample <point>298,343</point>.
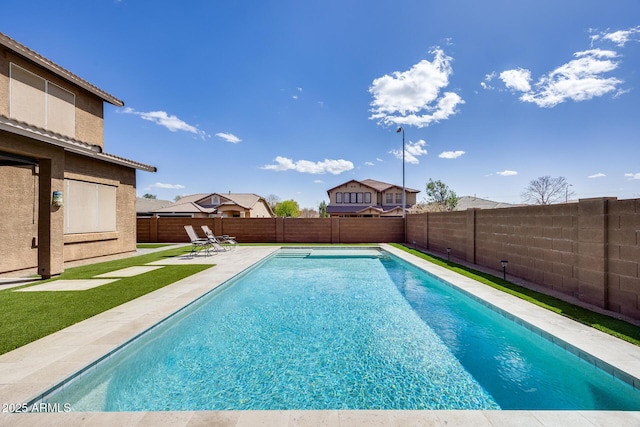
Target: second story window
<point>367,197</point>
<point>399,198</point>
<point>359,197</point>
<point>353,198</point>
<point>40,103</point>
<point>338,197</point>
<point>389,198</point>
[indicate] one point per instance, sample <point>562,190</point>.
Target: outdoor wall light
<point>56,199</point>
<point>504,263</point>
<point>448,254</point>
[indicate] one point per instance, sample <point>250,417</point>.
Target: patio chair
<point>197,243</point>
<point>225,240</point>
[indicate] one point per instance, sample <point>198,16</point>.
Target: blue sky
<point>295,97</point>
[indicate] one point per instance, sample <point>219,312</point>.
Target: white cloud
<point>486,84</point>
<point>295,97</point>
<point>412,151</point>
<point>167,186</point>
<point>369,163</point>
<point>517,79</point>
<point>334,167</point>
<point>451,154</point>
<point>507,173</point>
<point>379,159</point>
<point>619,38</point>
<point>229,137</point>
<point>580,79</point>
<point>171,122</point>
<point>597,175</point>
<point>415,97</point>
<point>318,181</point>
<point>632,175</point>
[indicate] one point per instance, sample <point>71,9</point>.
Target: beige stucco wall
<point>19,241</point>
<point>90,245</point>
<point>89,117</point>
<point>21,214</point>
<point>260,210</point>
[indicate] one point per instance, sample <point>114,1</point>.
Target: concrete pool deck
<point>29,371</point>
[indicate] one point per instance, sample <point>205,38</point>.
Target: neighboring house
<point>368,198</point>
<point>210,205</point>
<point>471,202</point>
<point>64,197</point>
<point>146,206</point>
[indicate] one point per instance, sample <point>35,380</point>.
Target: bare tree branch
<point>546,190</point>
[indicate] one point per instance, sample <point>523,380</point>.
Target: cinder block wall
<point>277,230</point>
<point>589,250</point>
<point>623,252</point>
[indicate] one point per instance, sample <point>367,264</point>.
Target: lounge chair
<point>226,241</point>
<point>197,243</point>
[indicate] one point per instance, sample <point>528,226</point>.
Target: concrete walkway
<point>30,371</point>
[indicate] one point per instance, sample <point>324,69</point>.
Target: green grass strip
<point>618,328</point>
<point>28,316</point>
<point>151,245</point>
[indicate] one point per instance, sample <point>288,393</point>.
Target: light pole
<point>566,192</point>
<point>404,200</point>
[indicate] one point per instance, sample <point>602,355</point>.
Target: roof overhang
<point>68,144</point>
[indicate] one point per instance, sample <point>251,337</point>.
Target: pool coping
<point>31,370</point>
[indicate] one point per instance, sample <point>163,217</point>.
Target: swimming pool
<point>320,331</point>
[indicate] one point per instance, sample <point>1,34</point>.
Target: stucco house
<point>211,205</point>
<point>64,197</point>
<point>145,206</point>
<point>473,202</point>
<point>368,198</point>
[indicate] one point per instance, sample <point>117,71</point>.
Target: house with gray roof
<point>224,205</point>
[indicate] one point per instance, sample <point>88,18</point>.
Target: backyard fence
<point>589,250</point>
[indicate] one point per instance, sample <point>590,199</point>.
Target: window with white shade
<point>89,207</point>
<point>41,103</point>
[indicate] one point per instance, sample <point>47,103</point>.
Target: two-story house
<point>63,197</point>
<point>368,198</point>
<point>210,205</point>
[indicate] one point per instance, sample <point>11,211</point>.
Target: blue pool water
<point>330,332</point>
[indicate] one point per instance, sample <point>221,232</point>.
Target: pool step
<point>328,253</point>
<point>287,253</point>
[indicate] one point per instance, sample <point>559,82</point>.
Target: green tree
<point>322,209</point>
<point>546,190</point>
<point>440,197</point>
<point>287,208</point>
<point>149,196</point>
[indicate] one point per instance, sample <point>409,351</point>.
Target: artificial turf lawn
<point>618,328</point>
<point>28,316</point>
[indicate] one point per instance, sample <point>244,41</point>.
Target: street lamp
<point>566,192</point>
<point>404,200</point>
